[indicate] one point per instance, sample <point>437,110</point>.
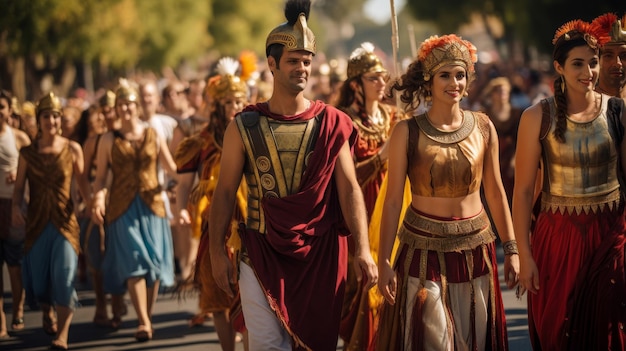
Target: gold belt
<point>446,236</point>
<point>586,204</point>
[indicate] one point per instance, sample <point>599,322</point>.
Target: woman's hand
<point>529,275</point>
<point>511,270</point>
<point>98,211</point>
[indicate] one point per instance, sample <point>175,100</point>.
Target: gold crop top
<point>582,172</point>
<point>447,164</point>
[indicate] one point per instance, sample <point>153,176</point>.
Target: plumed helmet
<point>227,82</point>
<point>363,60</point>
<point>611,28</point>
<point>126,91</point>
<point>49,102</point>
<point>294,34</point>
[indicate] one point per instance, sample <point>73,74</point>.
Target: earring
<point>428,96</point>
<point>562,85</point>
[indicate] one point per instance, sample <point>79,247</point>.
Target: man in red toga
<point>296,157</point>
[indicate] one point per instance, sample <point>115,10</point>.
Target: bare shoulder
<point>75,148</point>
<point>533,113</point>
<point>21,138</point>
<point>401,131</point>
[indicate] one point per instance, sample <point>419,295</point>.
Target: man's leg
<point>265,331</point>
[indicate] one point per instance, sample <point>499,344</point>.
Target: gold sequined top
<point>134,171</point>
<point>447,163</point>
<point>49,179</point>
<point>580,174</point>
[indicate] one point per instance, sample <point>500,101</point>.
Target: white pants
<point>265,332</point>
<point>437,335</point>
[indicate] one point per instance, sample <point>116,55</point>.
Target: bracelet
<point>510,248</point>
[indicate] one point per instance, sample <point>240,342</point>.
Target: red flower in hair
<point>592,34</point>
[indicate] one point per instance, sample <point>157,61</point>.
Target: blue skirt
<point>49,269</point>
<point>138,244</point>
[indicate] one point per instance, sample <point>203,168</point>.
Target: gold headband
<point>363,60</point>
<point>436,52</point>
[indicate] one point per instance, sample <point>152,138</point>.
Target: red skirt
<point>581,301</point>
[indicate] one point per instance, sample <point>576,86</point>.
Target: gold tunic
<point>134,171</point>
<point>447,164</point>
<point>580,174</point>
<point>49,179</point>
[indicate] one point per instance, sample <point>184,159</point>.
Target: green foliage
<point>136,33</point>
<point>530,21</point>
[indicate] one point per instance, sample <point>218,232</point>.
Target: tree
<point>48,40</point>
<point>532,22</point>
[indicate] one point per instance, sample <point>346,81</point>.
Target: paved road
<point>171,330</point>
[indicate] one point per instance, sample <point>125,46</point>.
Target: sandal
<point>17,324</point>
<point>49,325</point>
<point>143,334</point>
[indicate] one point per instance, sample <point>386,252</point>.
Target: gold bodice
<point>49,179</point>
<point>581,172</point>
<point>135,171</point>
<point>447,164</point>
<point>277,154</point>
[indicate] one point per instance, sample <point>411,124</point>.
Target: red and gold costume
<point>360,309</point>
<point>293,239</point>
<point>447,294</point>
<point>453,259</point>
<point>578,240</point>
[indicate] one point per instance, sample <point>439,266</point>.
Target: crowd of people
<point>363,207</point>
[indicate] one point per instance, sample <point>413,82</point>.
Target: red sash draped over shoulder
<point>301,260</point>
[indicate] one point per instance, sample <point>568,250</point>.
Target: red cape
<point>301,260</point>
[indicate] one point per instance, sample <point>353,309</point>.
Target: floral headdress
<point>610,28</point>
<point>590,33</point>
<point>436,52</point>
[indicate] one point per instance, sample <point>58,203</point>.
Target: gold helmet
<point>294,34</point>
<point>612,29</point>
<point>363,60</point>
<point>126,91</point>
<point>436,52</point>
<point>227,82</point>
<point>49,102</point>
<point>108,99</point>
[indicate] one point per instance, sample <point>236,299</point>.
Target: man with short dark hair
<point>297,161</point>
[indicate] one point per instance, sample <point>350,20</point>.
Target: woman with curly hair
<point>442,292</point>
